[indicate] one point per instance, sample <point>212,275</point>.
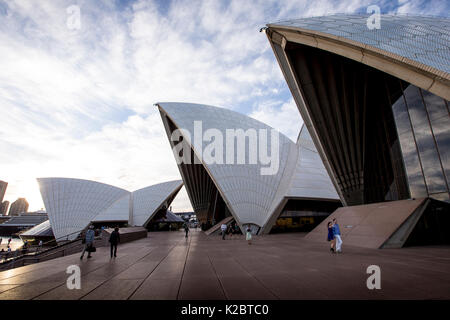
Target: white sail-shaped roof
<point>72,204</point>
<point>310,178</point>
<point>147,201</point>
<point>118,211</point>
<point>251,196</point>
<point>414,48</point>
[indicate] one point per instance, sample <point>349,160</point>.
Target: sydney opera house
<point>73,204</point>
<point>376,135</point>
<point>374,150</point>
<point>376,105</point>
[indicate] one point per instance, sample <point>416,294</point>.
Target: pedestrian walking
<point>88,242</point>
<point>230,231</point>
<point>114,240</point>
<point>330,236</point>
<point>223,227</point>
<point>186,229</point>
<point>248,236</point>
<point>337,236</point>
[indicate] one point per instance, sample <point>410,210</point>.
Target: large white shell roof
<point>251,197</point>
<point>72,204</point>
<point>422,39</point>
<point>249,194</point>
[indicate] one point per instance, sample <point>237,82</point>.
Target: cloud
<point>286,118</point>
<point>79,103</point>
<point>429,7</point>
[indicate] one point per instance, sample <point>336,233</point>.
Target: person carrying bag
<point>89,242</point>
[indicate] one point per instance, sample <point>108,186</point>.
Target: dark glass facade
<point>301,215</point>
<point>350,105</point>
<point>423,125</point>
<point>384,138</point>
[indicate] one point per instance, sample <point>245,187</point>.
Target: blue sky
<point>79,103</point>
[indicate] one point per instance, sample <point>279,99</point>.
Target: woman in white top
<point>248,236</point>
<point>223,228</point>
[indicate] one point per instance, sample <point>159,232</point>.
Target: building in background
<point>18,207</point>
<point>73,204</point>
<point>20,223</point>
<point>223,192</point>
<point>186,215</point>
<point>375,102</point>
<point>4,208</point>
<point>3,186</point>
<point>41,211</point>
<point>189,217</point>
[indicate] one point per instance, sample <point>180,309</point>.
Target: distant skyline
<point>78,103</point>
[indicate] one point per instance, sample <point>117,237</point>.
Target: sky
<point>79,102</point>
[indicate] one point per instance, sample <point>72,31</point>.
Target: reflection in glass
<point>435,105</point>
<point>413,167</point>
<point>441,129</point>
<point>423,125</point>
<point>416,108</point>
<point>401,116</point>
<point>430,160</point>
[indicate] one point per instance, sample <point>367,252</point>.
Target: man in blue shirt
<point>337,235</point>
<point>89,238</point>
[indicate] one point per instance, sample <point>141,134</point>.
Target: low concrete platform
<point>371,225</point>
<point>165,265</point>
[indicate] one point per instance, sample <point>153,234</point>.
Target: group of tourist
<point>88,240</point>
<point>24,249</point>
<point>8,248</point>
<point>9,241</point>
<point>234,229</point>
<point>334,236</point>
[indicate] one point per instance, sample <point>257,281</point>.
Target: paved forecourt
<point>165,265</point>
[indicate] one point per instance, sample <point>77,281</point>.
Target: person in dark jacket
<point>114,239</point>
<point>186,229</point>
<point>331,236</point>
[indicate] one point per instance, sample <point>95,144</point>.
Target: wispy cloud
<point>79,103</point>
